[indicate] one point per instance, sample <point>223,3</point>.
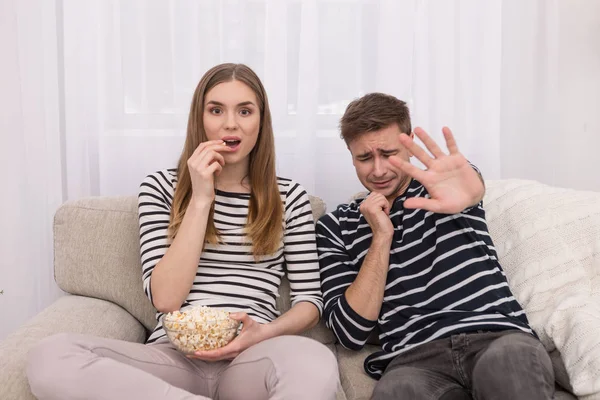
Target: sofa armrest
<point>68,314</point>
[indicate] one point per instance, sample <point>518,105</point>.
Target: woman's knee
<point>318,364</point>
<point>46,363</point>
<point>301,356</point>
<point>310,352</point>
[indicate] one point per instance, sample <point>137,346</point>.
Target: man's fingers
<point>415,149</point>
<point>376,199</point>
<point>408,168</point>
<point>450,142</point>
<point>422,203</point>
<point>429,142</point>
<point>386,207</point>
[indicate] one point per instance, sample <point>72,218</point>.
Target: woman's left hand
<point>252,333</point>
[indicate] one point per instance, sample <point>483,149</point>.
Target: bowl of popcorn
<point>200,328</point>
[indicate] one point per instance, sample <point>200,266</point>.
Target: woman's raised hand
<point>206,163</point>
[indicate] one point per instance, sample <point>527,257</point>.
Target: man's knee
<point>417,384</point>
<point>517,358</point>
<point>514,350</point>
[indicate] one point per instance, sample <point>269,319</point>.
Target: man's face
<point>370,155</point>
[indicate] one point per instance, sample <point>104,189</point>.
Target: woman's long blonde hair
<point>265,213</point>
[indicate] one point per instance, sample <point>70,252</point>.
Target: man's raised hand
<point>452,183</point>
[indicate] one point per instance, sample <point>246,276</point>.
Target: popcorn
<point>200,328</point>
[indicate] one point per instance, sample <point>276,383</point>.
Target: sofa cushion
<point>548,242</point>
<point>68,314</point>
<point>96,253</point>
<point>96,243</point>
<point>356,383</point>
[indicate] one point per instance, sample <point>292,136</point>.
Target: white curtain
<point>95,95</point>
<point>30,158</point>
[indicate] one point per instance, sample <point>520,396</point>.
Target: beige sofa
<point>97,264</point>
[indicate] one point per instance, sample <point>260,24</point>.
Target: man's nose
<point>379,168</point>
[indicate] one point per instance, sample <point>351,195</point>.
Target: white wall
<point>551,92</point>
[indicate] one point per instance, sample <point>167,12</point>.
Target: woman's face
<point>231,114</point>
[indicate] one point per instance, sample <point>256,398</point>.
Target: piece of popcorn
<point>200,328</point>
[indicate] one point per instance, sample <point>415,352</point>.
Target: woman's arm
<point>297,319</point>
<point>174,274</point>
<point>171,278</point>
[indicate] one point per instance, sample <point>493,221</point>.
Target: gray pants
<point>73,366</point>
<point>483,366</point>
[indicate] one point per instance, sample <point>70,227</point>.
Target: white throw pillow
<point>548,242</point>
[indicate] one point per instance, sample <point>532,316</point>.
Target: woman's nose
<point>230,122</point>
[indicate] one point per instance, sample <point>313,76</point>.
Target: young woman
<point>220,230</point>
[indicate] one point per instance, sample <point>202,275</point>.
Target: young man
<point>414,258</point>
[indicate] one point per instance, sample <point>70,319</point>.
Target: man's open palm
<point>452,183</point>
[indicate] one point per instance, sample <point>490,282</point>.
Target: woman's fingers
<point>208,157</point>
<point>211,145</point>
<point>206,144</point>
<point>214,168</point>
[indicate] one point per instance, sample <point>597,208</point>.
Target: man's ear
<point>412,136</point>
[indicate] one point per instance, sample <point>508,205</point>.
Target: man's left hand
<point>452,183</point>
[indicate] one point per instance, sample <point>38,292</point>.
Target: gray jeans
<point>73,366</point>
<point>509,365</point>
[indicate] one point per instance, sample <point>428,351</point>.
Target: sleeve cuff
<point>354,316</point>
<point>312,301</point>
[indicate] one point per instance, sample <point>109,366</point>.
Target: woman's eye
<point>215,111</point>
<point>245,112</point>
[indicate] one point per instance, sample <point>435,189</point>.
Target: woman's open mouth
<point>232,143</point>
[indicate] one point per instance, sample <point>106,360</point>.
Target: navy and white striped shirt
<point>228,276</point>
<point>444,278</point>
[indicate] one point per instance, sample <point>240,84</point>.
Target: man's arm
<point>353,298</point>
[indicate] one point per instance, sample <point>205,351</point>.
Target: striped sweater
<point>444,278</point>
<point>228,276</point>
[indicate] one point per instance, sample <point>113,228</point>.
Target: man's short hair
<point>372,112</point>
